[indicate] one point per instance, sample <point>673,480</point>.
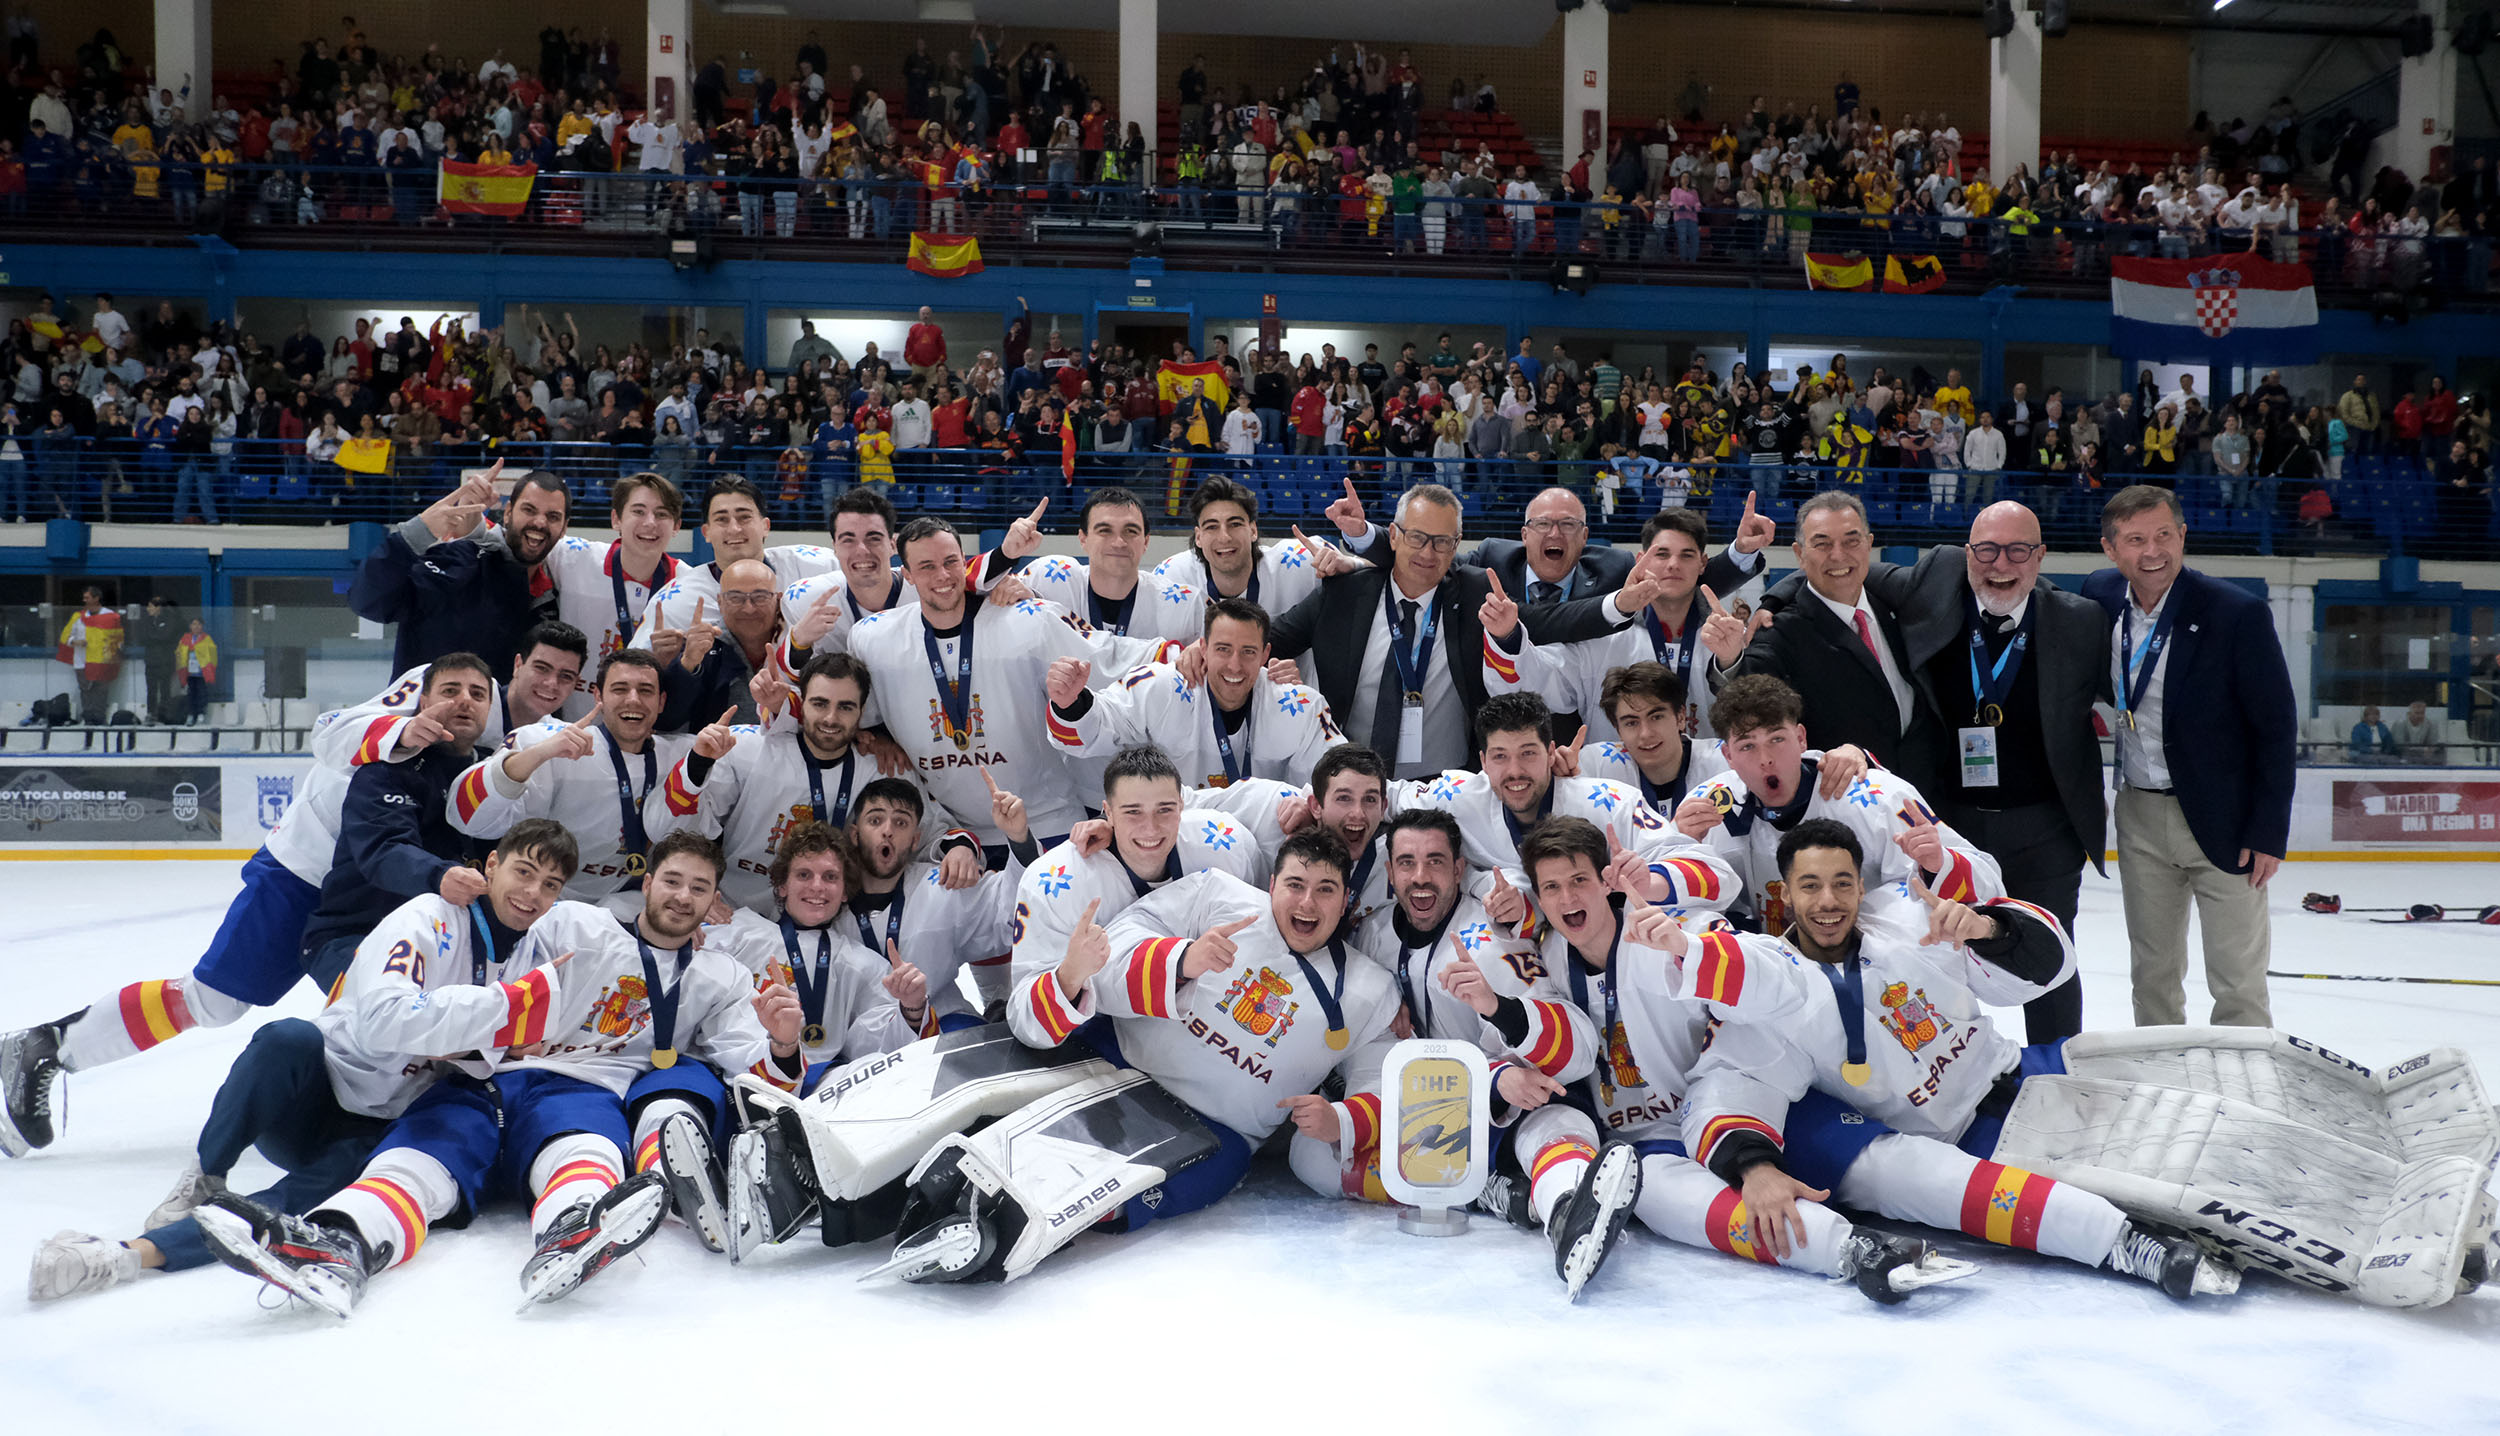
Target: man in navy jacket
<point>2207,726</point>
<point>455,585</point>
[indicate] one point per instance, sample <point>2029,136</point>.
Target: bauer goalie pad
<point>1027,1184</point>
<point>869,1121</point>
<point>2313,1168</point>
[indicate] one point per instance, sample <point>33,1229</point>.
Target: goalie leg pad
<point>870,1120</point>
<point>2272,1190</point>
<point>1114,1148</point>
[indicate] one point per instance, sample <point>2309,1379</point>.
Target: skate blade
<point>2215,1278</point>
<point>916,1257</point>
<point>1616,1188</point>
<point>1931,1269</point>
<point>621,1229</point>
<point>690,1187</point>
<point>232,1237</point>
<point>747,1217</point>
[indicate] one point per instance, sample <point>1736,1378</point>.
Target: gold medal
<point>636,865</point>
<point>1856,1074</point>
<point>1338,1037</point>
<point>812,1034</point>
<point>663,1057</point>
<point>1992,716</point>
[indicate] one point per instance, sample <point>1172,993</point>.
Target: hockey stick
<point>2374,977</point>
<point>2329,904</point>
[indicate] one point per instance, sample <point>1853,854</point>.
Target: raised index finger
<point>728,714</point>
<point>698,609</point>
<point>1749,503</point>
<point>1089,912</point>
<point>989,782</point>
<point>1228,929</point>
<point>592,716</point>
<point>1036,515</point>
<point>1713,600</point>
<point>1496,577</point>
<point>1926,894</point>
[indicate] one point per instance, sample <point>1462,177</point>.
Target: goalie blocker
<point>2292,1158</point>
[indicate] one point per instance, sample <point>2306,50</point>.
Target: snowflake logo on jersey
<point>1032,606</point>
<point>1219,835</point>
<point>620,1011</point>
<point>1175,594</point>
<point>1181,688</point>
<point>1057,570</point>
<point>1604,797</point>
<point>1292,555</point>
<point>1865,794</point>
<point>1473,936</point>
<point>1913,1020</point>
<point>1446,787</point>
<point>1293,702</point>
<point>1612,753</point>
<point>1056,881</point>
<point>1258,1004</point>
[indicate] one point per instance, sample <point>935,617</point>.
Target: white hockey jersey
<point>758,791</point>
<point>306,835</point>
<point>1570,676</point>
<point>423,989</point>
<point>1559,1041</point>
<point>1236,1040</point>
<point>1156,608</point>
<point>841,986</point>
<point>596,596</point>
<point>673,605</point>
<point>798,598</point>
<point>1283,576</point>
<point>587,795</point>
<point>1054,893</point>
<point>604,1028</point>
<point>1877,808</point>
<point>1699,878</point>
<point>940,930</point>
<point>1932,1050</point>
<point>1001,714</point>
<point>1704,758</point>
<point>1284,732</point>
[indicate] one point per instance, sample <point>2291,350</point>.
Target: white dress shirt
<point>1445,717</point>
<point>2141,762</point>
<point>1893,679</point>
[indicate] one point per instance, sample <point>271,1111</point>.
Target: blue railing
<point>758,217</point>
<point>2378,505</point>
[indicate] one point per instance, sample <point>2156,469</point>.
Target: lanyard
<point>1420,1011</point>
<point>625,619</point>
<point>1171,870</point>
<point>893,919</point>
<point>485,953</point>
<point>1665,798</point>
<point>1676,654</point>
<point>1332,1004</point>
<point>1234,771</point>
<point>1411,665</point>
<point>1579,970</point>
<point>1356,885</point>
<point>2141,659</point>
<point>1991,691</point>
<point>840,813</point>
<point>954,699</point>
<point>893,591</point>
<point>811,990</point>
<point>1110,613</point>
<point>633,837</point>
<point>1850,994</point>
<point>1544,810</point>
<point>663,1001</point>
<point>1742,820</point>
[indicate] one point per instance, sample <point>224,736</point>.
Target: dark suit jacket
<point>1846,698</point>
<point>1602,568</point>
<point>2229,722</point>
<point>1335,624</point>
<point>2070,667</point>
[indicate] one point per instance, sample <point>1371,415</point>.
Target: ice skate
<point>694,1179</point>
<point>30,1061</point>
<point>2175,1264</point>
<point>588,1239</point>
<point>1586,1223</point>
<point>1889,1268</point>
<point>770,1194</point>
<point>319,1263</point>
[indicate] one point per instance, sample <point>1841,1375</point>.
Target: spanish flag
<point>1172,380</point>
<point>842,131</point>
<point>1917,274</point>
<point>485,189</point>
<point>49,328</point>
<point>944,256</point>
<point>364,456</point>
<point>1839,271</point>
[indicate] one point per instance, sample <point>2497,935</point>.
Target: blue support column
<point>755,338</point>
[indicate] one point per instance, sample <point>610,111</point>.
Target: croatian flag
<point>2220,309</point>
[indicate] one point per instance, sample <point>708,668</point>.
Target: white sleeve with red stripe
<point>1358,1116</point>
<point>368,732</point>
<point>1699,877</point>
<point>389,1007</point>
<point>1092,731</point>
<point>484,801</point>
<point>1728,1092</point>
<point>1562,1039</point>
<point>1041,1015</point>
<point>680,803</point>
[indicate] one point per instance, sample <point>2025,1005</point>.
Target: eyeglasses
<point>1556,526</point>
<point>1438,543</point>
<point>2016,552</point>
<point>748,600</point>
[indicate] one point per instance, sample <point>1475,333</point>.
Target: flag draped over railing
<point>485,189</point>
<point>2231,309</point>
<point>944,256</point>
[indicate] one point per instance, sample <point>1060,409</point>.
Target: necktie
<point>1866,635</point>
<point>1392,704</point>
<point>1541,592</point>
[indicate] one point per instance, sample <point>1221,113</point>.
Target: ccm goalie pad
<point>990,1206</point>
<point>2284,1154</point>
<point>868,1122</point>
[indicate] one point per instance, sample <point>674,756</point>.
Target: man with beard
<point>1775,782</point>
<point>454,586</point>
<point>603,588</point>
<point>555,1122</point>
<point>1235,723</point>
<point>1104,589</point>
<point>595,775</point>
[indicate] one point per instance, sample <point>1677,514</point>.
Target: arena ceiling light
<point>2221,4</point>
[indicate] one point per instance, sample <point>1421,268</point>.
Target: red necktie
<point>1866,635</point>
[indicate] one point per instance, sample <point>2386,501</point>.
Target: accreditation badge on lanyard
<point>1990,686</point>
<point>1413,656</point>
<point>2141,659</point>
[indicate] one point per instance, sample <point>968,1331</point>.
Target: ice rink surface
<point>1274,1311</point>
